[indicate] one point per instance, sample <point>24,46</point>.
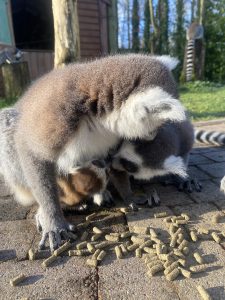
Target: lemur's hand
<point>53,229</point>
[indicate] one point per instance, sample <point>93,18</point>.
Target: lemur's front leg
<point>41,178</point>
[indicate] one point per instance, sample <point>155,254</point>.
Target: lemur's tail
<point>210,137</point>
<point>190,59</point>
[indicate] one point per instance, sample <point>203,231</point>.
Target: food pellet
<point>91,248</point>
<point>171,268</point>
<point>92,262</point>
<point>96,230</point>
<point>160,215</point>
<point>83,225</point>
<point>16,280</point>
<point>182,262</point>
<point>153,263</point>
<point>111,238</point>
<point>31,254</point>
<point>177,252</point>
<point>204,294</point>
<point>180,238</point>
<point>63,248</point>
<point>155,269</point>
<point>168,263</point>
<point>172,229</point>
<point>174,240</point>
<point>72,235</point>
<point>216,237</point>
<point>146,244</point>
<point>96,237</point>
<point>102,245</point>
<point>96,254</point>
<point>152,233</point>
<point>118,252</point>
<point>90,217</point>
<point>124,210</point>
<point>198,269</point>
<point>156,240</point>
<point>123,249</point>
<point>84,236</point>
<point>81,245</point>
<point>141,230</point>
<point>137,240</point>
<point>203,230</point>
<point>193,236</point>
<point>158,249</point>
<point>125,234</point>
<point>132,247</point>
<point>198,258</point>
<point>185,272</point>
<point>185,216</point>
<point>215,218</point>
<point>185,250</point>
<point>149,250</point>
<point>138,252</point>
<point>163,256</point>
<point>173,275</point>
<point>183,244</point>
<point>79,252</point>
<point>49,260</point>
<point>151,257</point>
<point>115,234</point>
<point>181,222</point>
<point>101,255</point>
<point>167,220</point>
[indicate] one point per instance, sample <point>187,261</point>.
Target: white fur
<point>98,199</point>
<point>168,61</point>
<point>137,117</point>
<point>23,195</point>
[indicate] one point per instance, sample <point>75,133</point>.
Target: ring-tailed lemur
<point>76,114</point>
<point>194,32</point>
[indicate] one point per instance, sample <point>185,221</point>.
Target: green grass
<point>6,103</point>
<point>203,100</point>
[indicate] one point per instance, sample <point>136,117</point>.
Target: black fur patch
<point>129,166</point>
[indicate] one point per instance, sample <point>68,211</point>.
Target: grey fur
<point>65,119</point>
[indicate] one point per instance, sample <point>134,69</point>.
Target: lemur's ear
<point>99,163</point>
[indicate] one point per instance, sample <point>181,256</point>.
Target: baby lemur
<point>78,113</point>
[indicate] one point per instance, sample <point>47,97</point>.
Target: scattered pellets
<point>96,237</point>
<point>123,249</point>
<point>146,244</point>
<point>155,269</point>
<point>118,252</point>
<point>174,240</point>
<point>185,272</point>
<point>149,250</point>
<point>91,248</point>
<point>172,229</point>
<point>215,218</point>
<point>111,238</point>
<point>153,263</point>
<point>96,230</point>
<point>204,294</point>
<point>102,245</point>
<point>91,217</point>
<point>81,252</point>
<point>63,248</point>
<point>81,245</point>
<point>137,240</point>
<point>138,252</point>
<point>193,236</point>
<point>216,237</point>
<point>16,280</point>
<point>185,250</point>
<point>83,225</point>
<point>198,258</point>
<point>49,260</point>
<point>150,257</point>
<point>173,275</point>
<point>181,222</point>
<point>101,255</point>
<point>198,269</point>
<point>73,252</point>
<point>92,262</point>
<point>167,220</point>
<point>156,240</point>
<point>163,256</point>
<point>168,263</point>
<point>124,210</point>
<point>115,234</point>
<point>96,254</point>
<point>203,230</point>
<point>172,267</point>
<point>31,254</point>
<point>141,230</point>
<point>84,236</point>
<point>125,234</point>
<point>133,247</point>
<point>180,238</point>
<point>160,215</point>
<point>178,253</point>
<point>182,262</point>
<point>153,233</point>
<point>183,244</point>
<point>185,216</point>
<point>158,249</point>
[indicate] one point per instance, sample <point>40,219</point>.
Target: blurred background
<point>38,35</point>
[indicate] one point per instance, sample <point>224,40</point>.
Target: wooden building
<point>28,25</point>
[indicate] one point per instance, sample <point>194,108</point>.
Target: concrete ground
<point>70,277</point>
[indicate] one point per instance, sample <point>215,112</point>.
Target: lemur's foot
<point>55,230</point>
<point>222,185</point>
<point>151,199</point>
<point>184,184</point>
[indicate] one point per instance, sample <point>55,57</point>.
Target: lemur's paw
<point>54,230</point>
<point>222,185</point>
<point>190,185</point>
<point>153,198</point>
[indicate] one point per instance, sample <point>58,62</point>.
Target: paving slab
<point>216,156</point>
<point>216,170</point>
<point>66,279</point>
<point>195,172</point>
<point>198,159</point>
<point>16,239</point>
<point>11,210</point>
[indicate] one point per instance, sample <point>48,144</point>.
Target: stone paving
<point>70,278</point>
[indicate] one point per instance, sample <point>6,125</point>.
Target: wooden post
<point>15,78</point>
<point>113,27</point>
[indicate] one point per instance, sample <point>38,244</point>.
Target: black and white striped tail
<point>210,137</point>
<point>190,59</point>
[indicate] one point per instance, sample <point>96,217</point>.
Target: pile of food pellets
<point>168,257</point>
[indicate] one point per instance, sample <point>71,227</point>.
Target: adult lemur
<point>76,114</point>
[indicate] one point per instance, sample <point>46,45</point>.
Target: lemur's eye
<point>128,165</point>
